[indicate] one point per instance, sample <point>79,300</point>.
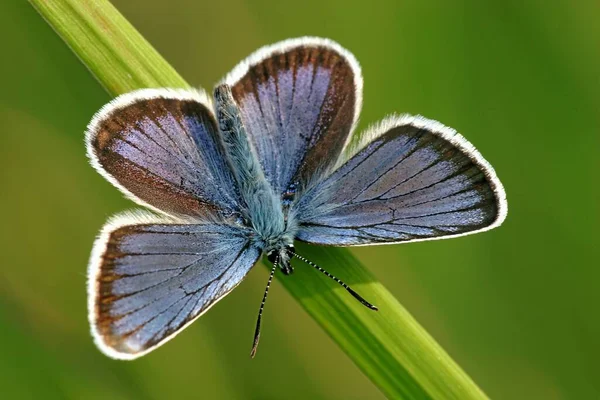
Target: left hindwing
<point>416,180</point>
<point>149,278</point>
<point>299,100</point>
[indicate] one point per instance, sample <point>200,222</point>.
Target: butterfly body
<point>267,161</point>
<point>263,213</point>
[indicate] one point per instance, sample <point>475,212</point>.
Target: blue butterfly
<point>267,160</point>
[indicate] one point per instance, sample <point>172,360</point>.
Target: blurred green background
<point>516,307</point>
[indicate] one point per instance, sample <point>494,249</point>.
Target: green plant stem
<point>389,346</point>
<point>108,45</point>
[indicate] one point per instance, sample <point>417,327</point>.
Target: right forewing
<point>148,279</point>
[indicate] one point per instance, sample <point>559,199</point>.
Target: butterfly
<point>267,160</point>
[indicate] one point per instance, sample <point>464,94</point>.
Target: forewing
<point>161,148</point>
<point>413,179</point>
<point>299,100</point>
<point>149,278</point>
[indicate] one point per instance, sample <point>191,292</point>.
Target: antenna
<point>348,288</point>
<point>260,311</point>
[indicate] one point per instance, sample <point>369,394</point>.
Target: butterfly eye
<point>272,256</point>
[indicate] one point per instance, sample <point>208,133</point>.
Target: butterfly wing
<point>410,179</point>
<point>161,148</point>
<point>149,278</point>
<point>299,100</point>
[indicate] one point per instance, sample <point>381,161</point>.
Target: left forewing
<point>415,180</point>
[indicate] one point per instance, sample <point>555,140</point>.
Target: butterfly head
<point>281,256</point>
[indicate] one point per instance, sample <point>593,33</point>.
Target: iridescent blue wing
<point>409,179</point>
<point>149,278</point>
<point>161,148</point>
<point>299,100</point>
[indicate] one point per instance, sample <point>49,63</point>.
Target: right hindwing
<point>161,147</point>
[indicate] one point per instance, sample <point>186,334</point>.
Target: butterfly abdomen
<point>263,206</point>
